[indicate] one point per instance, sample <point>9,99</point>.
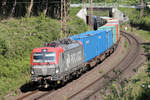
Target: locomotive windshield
<point>44,57</point>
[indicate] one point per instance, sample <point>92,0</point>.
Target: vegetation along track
<point>124,64</point>
<point>132,53</point>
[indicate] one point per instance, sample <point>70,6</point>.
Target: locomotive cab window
<point>37,57</point>
<point>44,57</point>
<point>50,57</point>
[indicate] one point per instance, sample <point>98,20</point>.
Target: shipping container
<point>94,43</point>
<point>113,28</point>
<point>110,38</point>
<point>113,22</point>
<point>117,28</point>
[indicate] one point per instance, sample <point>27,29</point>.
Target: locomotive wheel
<point>66,78</point>
<point>88,67</point>
<point>55,85</point>
<point>80,71</point>
<point>84,69</point>
<point>63,83</point>
<point>59,84</point>
<point>77,74</point>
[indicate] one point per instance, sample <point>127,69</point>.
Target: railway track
<point>124,64</point>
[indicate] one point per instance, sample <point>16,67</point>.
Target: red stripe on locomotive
<point>49,49</point>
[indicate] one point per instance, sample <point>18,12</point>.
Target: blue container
<point>110,38</point>
<point>94,43</point>
<point>113,28</point>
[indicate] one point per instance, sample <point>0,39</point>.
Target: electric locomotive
<point>54,62</point>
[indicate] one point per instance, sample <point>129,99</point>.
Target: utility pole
<point>91,12</point>
<point>142,9</point>
<point>63,19</point>
<point>65,24</point>
<point>83,2</point>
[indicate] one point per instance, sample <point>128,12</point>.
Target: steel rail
<point>29,94</point>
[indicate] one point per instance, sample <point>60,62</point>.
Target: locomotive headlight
<point>32,71</point>
<point>57,70</point>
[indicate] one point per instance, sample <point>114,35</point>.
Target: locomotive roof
<point>66,44</point>
<point>49,49</point>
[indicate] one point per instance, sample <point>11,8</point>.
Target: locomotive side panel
<point>71,59</point>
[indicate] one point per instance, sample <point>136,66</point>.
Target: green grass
<point>125,44</point>
<point>17,39</point>
<point>144,34</point>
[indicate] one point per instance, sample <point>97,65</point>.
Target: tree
<point>30,8</point>
<point>142,8</point>
<point>20,8</point>
<point>4,7</point>
<point>45,7</point>
<point>13,9</point>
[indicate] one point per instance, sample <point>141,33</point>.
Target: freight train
<point>59,61</point>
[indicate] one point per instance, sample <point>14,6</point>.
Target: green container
<point>113,28</point>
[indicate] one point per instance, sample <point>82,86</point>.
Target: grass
<point>144,34</point>
<point>17,39</point>
<point>125,44</point>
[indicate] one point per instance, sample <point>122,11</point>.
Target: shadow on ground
<point>32,87</point>
<point>28,87</point>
